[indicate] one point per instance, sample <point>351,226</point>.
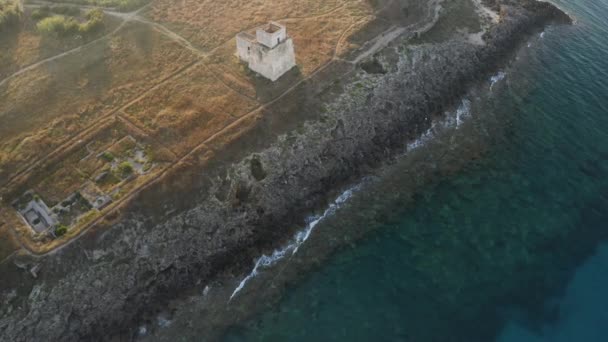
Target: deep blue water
<point>500,251</point>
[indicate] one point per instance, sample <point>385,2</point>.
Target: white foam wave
<point>451,120</point>
<point>497,78</point>
<point>162,321</point>
<point>542,35</point>
<point>463,111</point>
<point>266,261</point>
<point>423,139</point>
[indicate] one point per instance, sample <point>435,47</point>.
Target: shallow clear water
<point>488,253</point>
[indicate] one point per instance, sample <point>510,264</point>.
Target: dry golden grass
<point>59,185</point>
<point>44,106</point>
<point>209,23</point>
<point>184,112</point>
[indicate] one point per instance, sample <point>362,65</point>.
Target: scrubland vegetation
<point>47,11</point>
<point>62,25</point>
<point>121,5</point>
<point>10,12</point>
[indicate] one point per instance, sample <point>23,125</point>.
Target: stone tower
<point>270,52</point>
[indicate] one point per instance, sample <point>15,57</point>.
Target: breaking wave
<point>451,120</point>
<point>423,139</point>
<point>266,261</point>
<point>463,111</point>
<point>497,78</point>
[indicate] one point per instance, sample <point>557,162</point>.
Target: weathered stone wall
<point>271,39</point>
<point>243,45</point>
<point>273,63</point>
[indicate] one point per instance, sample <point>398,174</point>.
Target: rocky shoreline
<point>107,282</point>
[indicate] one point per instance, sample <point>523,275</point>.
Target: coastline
<point>305,169</point>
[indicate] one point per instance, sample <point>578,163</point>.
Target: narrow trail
<point>122,116</point>
<point>381,42</point>
<point>384,39</point>
<point>172,35</point>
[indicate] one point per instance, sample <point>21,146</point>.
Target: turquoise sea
<point>507,248</point>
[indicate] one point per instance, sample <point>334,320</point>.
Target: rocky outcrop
<point>105,282</point>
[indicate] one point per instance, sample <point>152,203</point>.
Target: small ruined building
<point>270,52</point>
<point>36,213</point>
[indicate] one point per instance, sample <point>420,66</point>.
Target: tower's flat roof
<point>272,28</point>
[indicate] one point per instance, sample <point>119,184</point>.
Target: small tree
<point>94,21</point>
<point>58,25</point>
<point>125,168</point>
<point>61,230</point>
<point>107,156</point>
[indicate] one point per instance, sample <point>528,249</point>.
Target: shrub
<point>125,168</point>
<point>10,13</point>
<point>94,21</point>
<point>41,13</point>
<point>66,10</point>
<point>62,26</point>
<point>61,230</point>
<point>129,5</point>
<point>58,25</point>
<point>95,14</point>
<point>107,156</point>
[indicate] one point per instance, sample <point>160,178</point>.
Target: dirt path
<point>381,42</point>
<point>395,32</point>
